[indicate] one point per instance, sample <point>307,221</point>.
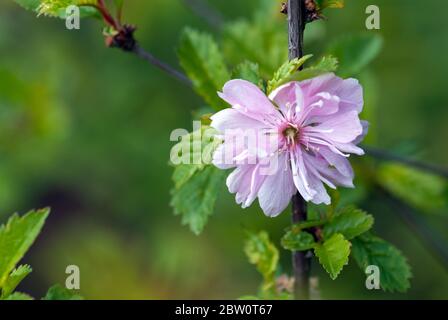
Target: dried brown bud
<point>284,8</point>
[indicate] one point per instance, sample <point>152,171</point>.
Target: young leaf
<point>421,190</point>
<point>57,8</point>
<point>350,222</point>
<point>325,65</point>
<point>57,292</point>
<point>298,240</point>
<point>262,253</point>
<point>330,4</point>
<point>355,52</point>
<point>248,71</point>
<point>16,237</point>
<point>394,269</point>
<point>285,72</point>
<point>16,276</point>
<point>201,59</point>
<point>333,254</point>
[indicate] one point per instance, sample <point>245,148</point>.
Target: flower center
<point>291,133</point>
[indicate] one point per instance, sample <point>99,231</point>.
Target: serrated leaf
<point>262,253</point>
<point>195,199</point>
<point>325,65</point>
<point>16,276</point>
<point>333,254</point>
<point>16,236</point>
<point>204,64</point>
<point>286,71</point>
<point>248,71</point>
<point>19,296</point>
<point>420,189</point>
<point>394,269</point>
<point>57,292</point>
<point>350,222</point>
<point>57,8</point>
<point>355,52</point>
<point>298,240</point>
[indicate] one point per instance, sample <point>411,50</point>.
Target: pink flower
<point>308,128</point>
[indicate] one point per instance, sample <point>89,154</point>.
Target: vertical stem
<point>300,260</point>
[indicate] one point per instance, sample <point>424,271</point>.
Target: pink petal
<point>248,99</point>
<point>288,96</point>
<point>341,127</point>
<point>230,119</point>
<point>277,189</point>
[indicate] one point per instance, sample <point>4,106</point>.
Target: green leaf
<point>248,71</point>
<point>298,240</point>
<point>333,254</point>
<point>16,237</point>
<point>196,181</point>
<point>19,296</point>
<point>203,62</point>
<point>257,40</point>
<point>325,65</point>
<point>420,189</point>
<point>330,4</point>
<point>355,52</point>
<point>195,199</point>
<point>57,8</point>
<point>262,253</point>
<point>16,276</point>
<point>394,269</point>
<point>350,222</point>
<point>57,292</point>
<point>285,72</point>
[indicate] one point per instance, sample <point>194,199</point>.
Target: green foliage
<point>325,65</point>
<point>420,189</point>
<point>56,8</point>
<point>19,296</point>
<point>195,199</point>
<point>333,254</point>
<point>330,4</point>
<point>16,236</point>
<point>354,53</point>
<point>285,72</point>
<point>57,292</point>
<point>262,253</point>
<point>16,276</point>
<point>204,64</point>
<point>298,240</point>
<point>350,222</point>
<point>248,71</point>
<point>265,256</point>
<point>196,181</point>
<point>394,269</point>
<point>257,40</point>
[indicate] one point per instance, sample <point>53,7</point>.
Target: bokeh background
<point>85,130</point>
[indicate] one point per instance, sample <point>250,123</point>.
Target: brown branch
<point>300,259</point>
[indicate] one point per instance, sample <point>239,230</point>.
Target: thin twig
<point>388,156</point>
<point>202,9</point>
<point>301,261</point>
<point>145,55</point>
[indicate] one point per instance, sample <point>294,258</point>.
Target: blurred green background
<point>85,130</point>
